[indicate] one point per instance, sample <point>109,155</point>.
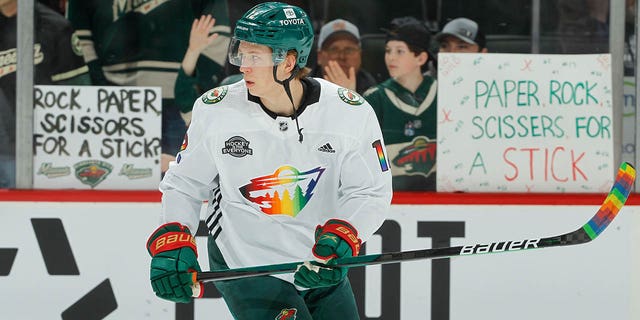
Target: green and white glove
<point>336,239</point>
<point>174,263</point>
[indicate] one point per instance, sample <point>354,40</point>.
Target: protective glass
<point>348,51</point>
<point>248,54</point>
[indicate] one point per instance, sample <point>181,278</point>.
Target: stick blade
<point>617,197</point>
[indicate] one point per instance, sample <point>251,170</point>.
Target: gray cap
<point>464,29</point>
<point>335,27</point>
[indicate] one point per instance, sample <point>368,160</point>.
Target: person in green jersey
<point>143,43</point>
<point>202,66</point>
<point>406,106</point>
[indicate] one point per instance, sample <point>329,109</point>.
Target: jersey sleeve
<point>365,181</point>
<point>68,66</point>
<point>79,13</point>
<point>191,179</point>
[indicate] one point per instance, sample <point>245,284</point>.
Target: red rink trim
<point>505,198</point>
<point>398,197</point>
<point>79,195</point>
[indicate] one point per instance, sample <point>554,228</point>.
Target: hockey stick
<point>589,231</point>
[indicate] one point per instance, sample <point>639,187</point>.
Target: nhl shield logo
<point>350,97</point>
<point>215,95</point>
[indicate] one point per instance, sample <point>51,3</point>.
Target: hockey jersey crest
<point>351,97</point>
<point>285,192</point>
<point>215,95</point>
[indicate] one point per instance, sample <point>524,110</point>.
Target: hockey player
<point>406,106</point>
<point>294,169</point>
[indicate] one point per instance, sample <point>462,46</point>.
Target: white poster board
<point>90,137</point>
<point>524,123</point>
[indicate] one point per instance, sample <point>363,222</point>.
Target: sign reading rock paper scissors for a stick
<point>88,137</point>
<point>524,123</point>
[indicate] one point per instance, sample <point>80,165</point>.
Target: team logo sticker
<point>92,172</point>
<point>48,170</point>
<point>351,97</point>
<point>131,172</point>
<point>287,314</point>
<point>237,146</point>
<point>215,95</point>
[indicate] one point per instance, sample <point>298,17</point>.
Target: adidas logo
<point>326,148</point>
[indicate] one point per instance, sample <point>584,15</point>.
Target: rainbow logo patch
<point>287,191</point>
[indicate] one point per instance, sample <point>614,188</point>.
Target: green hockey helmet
<point>279,26</point>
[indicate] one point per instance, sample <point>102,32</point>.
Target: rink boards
<point>87,260</point>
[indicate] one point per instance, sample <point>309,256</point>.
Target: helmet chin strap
<point>287,88</point>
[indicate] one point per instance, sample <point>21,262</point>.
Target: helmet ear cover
<point>279,26</point>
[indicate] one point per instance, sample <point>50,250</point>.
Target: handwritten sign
<point>629,121</point>
<point>88,137</point>
<point>524,123</point>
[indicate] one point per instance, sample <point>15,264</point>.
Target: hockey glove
<point>174,263</point>
<point>336,239</point>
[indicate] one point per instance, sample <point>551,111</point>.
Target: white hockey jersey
<point>267,191</point>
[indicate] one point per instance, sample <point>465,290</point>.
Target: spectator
<point>142,43</point>
<point>57,60</point>
<point>201,67</point>
<point>583,26</point>
<point>57,5</point>
<point>405,105</point>
<point>462,35</point>
<point>340,56</point>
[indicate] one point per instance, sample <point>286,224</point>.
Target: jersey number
<point>384,165</point>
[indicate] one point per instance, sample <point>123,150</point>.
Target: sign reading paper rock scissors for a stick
<point>524,123</point>
<point>88,137</point>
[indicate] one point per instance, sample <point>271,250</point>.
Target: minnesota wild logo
<point>285,192</point>
<point>215,95</point>
<point>287,314</point>
<point>350,97</point>
<point>92,172</point>
<point>419,157</point>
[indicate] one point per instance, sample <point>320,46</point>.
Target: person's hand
<point>334,73</point>
<point>199,39</point>
<point>174,263</point>
<point>336,239</point>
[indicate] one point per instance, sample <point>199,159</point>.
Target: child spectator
<point>405,105</point>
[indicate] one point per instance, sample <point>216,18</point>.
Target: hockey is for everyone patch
<point>350,97</point>
<point>237,146</point>
<point>215,95</point>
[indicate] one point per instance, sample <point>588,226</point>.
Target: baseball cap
<point>336,27</point>
<point>464,29</point>
<point>410,30</point>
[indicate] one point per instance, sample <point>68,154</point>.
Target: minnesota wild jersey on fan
<point>408,121</point>
<point>142,42</point>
